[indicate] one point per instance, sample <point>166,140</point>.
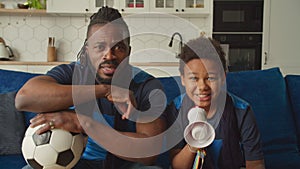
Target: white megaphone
<point>199,133</point>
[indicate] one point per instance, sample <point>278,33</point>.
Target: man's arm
<point>148,130</point>
<point>127,144</point>
<point>145,143</point>
<point>257,164</point>
<point>44,94</point>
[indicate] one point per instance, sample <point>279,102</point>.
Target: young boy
<point>237,139</point>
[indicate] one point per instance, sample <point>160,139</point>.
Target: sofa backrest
<point>266,91</point>
<point>293,87</point>
<point>172,87</point>
<point>13,80</point>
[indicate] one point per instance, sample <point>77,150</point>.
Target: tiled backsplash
<point>150,35</point>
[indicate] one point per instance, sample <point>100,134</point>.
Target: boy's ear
<point>224,79</point>
<point>86,47</point>
<point>129,50</point>
<point>182,80</point>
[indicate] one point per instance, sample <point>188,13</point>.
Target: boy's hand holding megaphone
<point>199,133</point>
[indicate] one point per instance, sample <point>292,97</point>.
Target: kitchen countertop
<point>171,64</point>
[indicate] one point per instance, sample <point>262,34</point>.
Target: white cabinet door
<point>199,7</point>
<point>68,6</point>
<point>195,6</point>
<point>168,6</point>
<point>134,6</point>
<point>281,35</point>
<point>95,5</point>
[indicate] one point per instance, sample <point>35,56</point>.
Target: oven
<point>238,25</point>
<point>244,50</point>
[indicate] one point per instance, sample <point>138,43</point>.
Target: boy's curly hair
<point>202,47</point>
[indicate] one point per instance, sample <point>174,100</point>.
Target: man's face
<point>106,48</point>
<point>202,79</point>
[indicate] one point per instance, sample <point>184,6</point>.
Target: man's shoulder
<point>62,73</point>
<point>140,76</point>
<point>65,67</point>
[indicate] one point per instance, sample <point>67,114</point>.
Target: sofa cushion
<point>12,126</point>
<point>266,91</point>
<point>293,85</point>
<point>282,160</point>
<point>12,161</point>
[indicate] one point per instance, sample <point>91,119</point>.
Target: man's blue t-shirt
<point>143,87</point>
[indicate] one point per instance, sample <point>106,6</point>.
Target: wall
<point>28,35</point>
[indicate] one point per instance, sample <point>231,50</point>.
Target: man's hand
<point>66,120</point>
<point>123,99</point>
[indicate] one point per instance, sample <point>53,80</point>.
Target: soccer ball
<point>54,149</point>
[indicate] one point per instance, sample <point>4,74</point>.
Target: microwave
<point>238,16</point>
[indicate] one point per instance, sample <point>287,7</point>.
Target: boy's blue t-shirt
<point>249,135</point>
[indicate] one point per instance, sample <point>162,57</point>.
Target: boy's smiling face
<point>203,80</point>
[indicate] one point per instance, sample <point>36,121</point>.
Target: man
<point>101,78</point>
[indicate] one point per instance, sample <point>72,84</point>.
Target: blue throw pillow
<point>12,126</point>
<point>266,91</point>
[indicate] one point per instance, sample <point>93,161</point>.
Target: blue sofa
<point>275,100</point>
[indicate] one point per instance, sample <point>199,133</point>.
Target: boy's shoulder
<point>238,102</point>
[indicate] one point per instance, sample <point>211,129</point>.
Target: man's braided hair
<point>108,15</point>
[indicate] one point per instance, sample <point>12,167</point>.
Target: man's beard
<point>101,80</point>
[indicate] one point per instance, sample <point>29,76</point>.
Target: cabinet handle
<point>122,10</point>
<point>86,10</point>
<point>177,10</point>
<point>266,58</point>
<point>182,10</point>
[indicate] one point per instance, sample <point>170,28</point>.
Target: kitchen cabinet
<point>281,35</point>
<point>79,6</point>
<point>181,6</point>
<point>166,6</point>
<point>134,6</point>
<point>68,6</point>
<point>95,5</point>
<point>199,7</point>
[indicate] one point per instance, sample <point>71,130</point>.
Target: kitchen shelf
<point>23,11</point>
<point>31,63</point>
<point>167,64</point>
